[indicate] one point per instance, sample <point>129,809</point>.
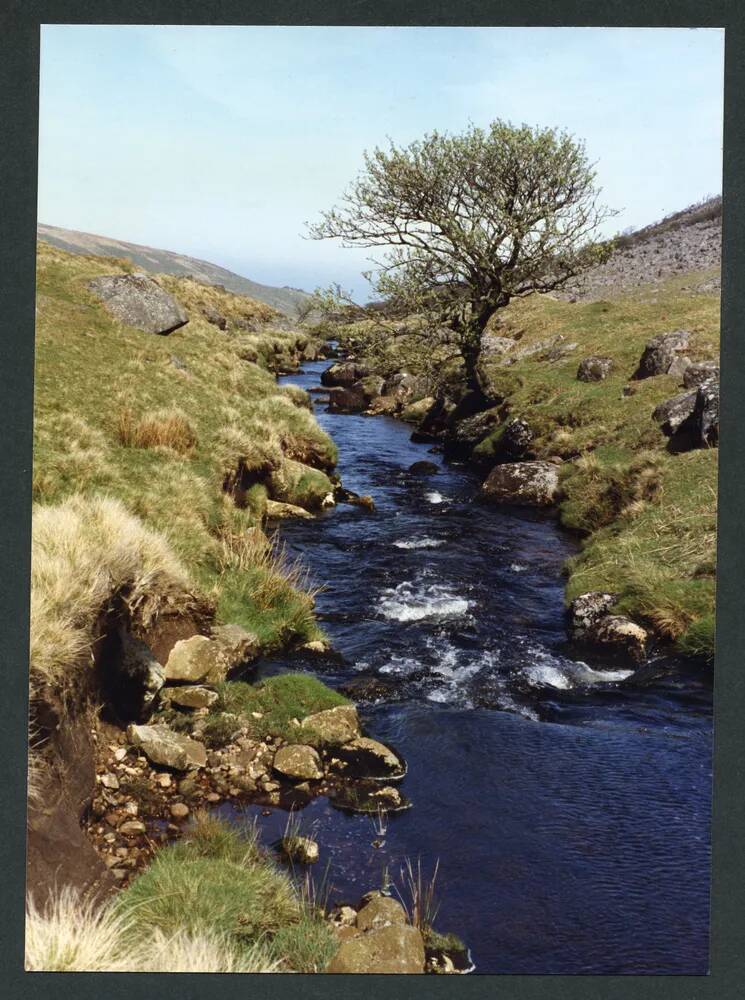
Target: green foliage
<point>278,700</point>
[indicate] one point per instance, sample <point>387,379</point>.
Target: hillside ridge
<point>157,261</point>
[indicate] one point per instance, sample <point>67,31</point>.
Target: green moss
<point>278,700</point>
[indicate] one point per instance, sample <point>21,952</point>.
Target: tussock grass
<point>86,551</point>
<point>218,881</point>
<point>161,429</point>
<point>71,934</point>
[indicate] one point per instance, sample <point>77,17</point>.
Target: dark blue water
<point>568,804</point>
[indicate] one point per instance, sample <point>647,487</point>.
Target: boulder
<point>133,676</point>
<point>592,623</point>
<point>492,343</point>
<point>347,399</point>
<point>424,468</point>
<point>333,726</point>
<point>699,372</point>
<point>660,354</point>
<point>380,911</point>
<point>211,659</point>
<point>214,317</point>
<point>509,443</point>
<point>594,369</point>
<point>168,749</point>
<point>463,436</point>
<point>705,415</point>
<point>137,300</point>
<point>421,413</point>
<point>533,484</point>
<point>298,762</point>
<point>278,511</point>
<point>192,696</point>
<point>384,405</point>
<point>370,387</point>
<point>367,758</point>
<point>344,373</point>
<point>675,411</point>
<point>396,948</point>
<point>301,849</point>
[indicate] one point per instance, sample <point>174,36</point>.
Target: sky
<point>222,142</point>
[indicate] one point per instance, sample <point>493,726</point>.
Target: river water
<point>568,804</point>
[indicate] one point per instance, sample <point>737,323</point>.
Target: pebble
<point>234,791</point>
<point>213,797</point>
<point>109,781</point>
<point>119,873</point>
<point>112,818</point>
<point>120,753</point>
<point>179,810</point>
<point>132,827</point>
<point>164,780</point>
<point>122,852</point>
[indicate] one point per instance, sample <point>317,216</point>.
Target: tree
<point>470,222</point>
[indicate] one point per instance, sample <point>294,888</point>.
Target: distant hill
<point>285,299</point>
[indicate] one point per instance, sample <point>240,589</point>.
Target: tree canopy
<point>470,221</point>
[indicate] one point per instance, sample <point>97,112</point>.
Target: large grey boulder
<point>534,484</point>
<point>691,419</point>
<point>380,911</point>
<point>137,300</point>
<point>706,413</point>
<point>675,411</point>
<point>367,758</point>
<point>210,660</point>
<point>347,399</point>
<point>395,948</point>
<point>464,435</point>
<point>333,726</point>
<point>661,356</point>
<point>164,747</point>
<point>591,623</point>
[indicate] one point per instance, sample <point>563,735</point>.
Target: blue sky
<point>221,142</point>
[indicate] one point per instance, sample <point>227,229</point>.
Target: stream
<point>568,803</point>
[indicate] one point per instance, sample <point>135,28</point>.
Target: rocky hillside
<point>286,300</point>
<point>686,241</point>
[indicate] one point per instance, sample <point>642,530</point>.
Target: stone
<point>620,632</point>
<point>133,677</point>
<point>298,762</point>
<point>301,849</point>
<point>164,747</point>
<point>463,436</point>
<point>591,622</point>
<point>343,399</point>
<point>699,372</point>
<point>334,726</point>
<point>586,611</point>
<point>278,511</point>
<point>396,948</point>
<point>533,484</point>
<point>492,343</point>
<point>139,301</point>
<point>594,369</point>
<point>179,810</point>
<point>214,317</point>
<point>509,444</point>
<point>367,758</point>
<point>200,658</point>
<point>192,696</point>
<point>109,781</point>
<point>344,373</point>
<point>381,911</point>
<point>660,354</point>
<point>706,413</point>
<point>132,828</point>
<point>424,468</point>
<point>343,916</point>
<point>675,411</point>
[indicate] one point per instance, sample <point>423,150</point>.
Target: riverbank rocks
<point>210,660</point>
<point>462,437</point>
<point>168,749</point>
<point>302,849</point>
<point>192,696</point>
<point>346,399</point>
<point>534,484</point>
<point>395,948</point>
<point>673,412</point>
<point>367,758</point>
<point>662,355</point>
<point>344,373</point>
<point>138,301</point>
<point>594,369</point>
<point>276,510</point>
<point>133,677</point>
<point>592,623</point>
<point>334,727</point>
<point>298,762</point>
<point>381,911</point>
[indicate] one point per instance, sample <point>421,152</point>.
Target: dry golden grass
<point>84,551</point>
<point>71,934</point>
<point>167,428</point>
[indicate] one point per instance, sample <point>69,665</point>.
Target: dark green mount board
<point>19,37</point>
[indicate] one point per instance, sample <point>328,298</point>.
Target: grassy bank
<point>190,433</point>
<point>647,517</point>
<point>214,902</point>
